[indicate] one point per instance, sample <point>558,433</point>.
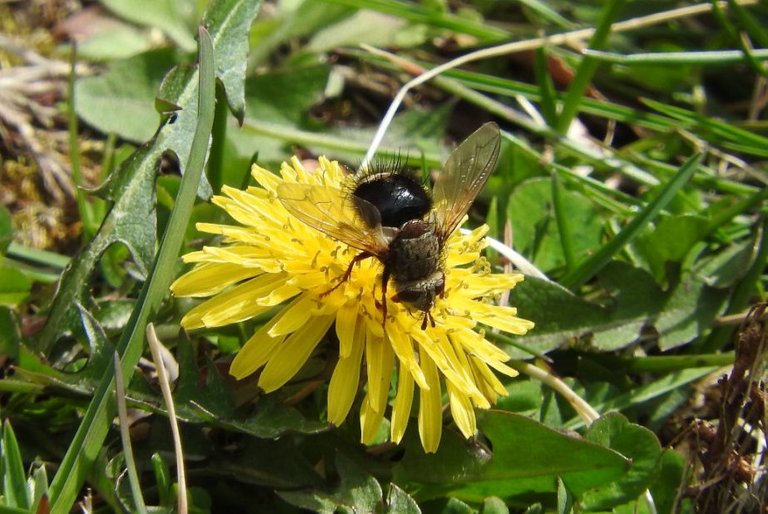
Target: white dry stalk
<point>156,347</point>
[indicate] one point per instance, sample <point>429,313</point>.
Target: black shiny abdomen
<point>398,197</point>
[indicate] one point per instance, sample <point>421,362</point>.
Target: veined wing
<point>464,175</point>
<point>326,209</point>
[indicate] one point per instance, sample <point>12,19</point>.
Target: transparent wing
<point>327,209</point>
<point>464,175</point>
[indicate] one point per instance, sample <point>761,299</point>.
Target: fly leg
<point>359,257</point>
<point>384,280</point>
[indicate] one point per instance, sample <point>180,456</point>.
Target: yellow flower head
<point>271,258</point>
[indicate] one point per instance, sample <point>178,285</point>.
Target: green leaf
<point>530,210</point>
<point>689,312</point>
<point>729,265</point>
<point>357,492</point>
<point>168,15</point>
<point>666,194</point>
<point>398,502</point>
<point>373,28</point>
<point>527,458</point>
<point>560,316</point>
<point>272,418</point>
<point>6,229</point>
<point>121,100</point>
<point>229,22</point>
<point>635,442</point>
<point>10,334</point>
<point>15,285</point>
<point>285,96</point>
<point>679,315</point>
<point>494,505</point>
<point>14,478</point>
<point>670,241</point>
<point>131,222</point>
<point>668,481</point>
<point>112,39</point>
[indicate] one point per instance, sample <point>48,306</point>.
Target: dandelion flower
<point>270,258</point>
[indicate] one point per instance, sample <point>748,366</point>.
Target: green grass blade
<point>548,14</point>
<point>90,436</point>
<point>588,66</point>
<point>416,13</point>
<point>563,224</point>
<point>595,263</point>
<point>14,478</point>
<point>547,91</point>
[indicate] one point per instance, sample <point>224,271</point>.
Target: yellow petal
<point>344,382</point>
<point>379,359</point>
<point>430,407</point>
<point>210,278</point>
<point>346,327</point>
<point>291,355</point>
<point>370,422</point>
<point>480,400</point>
<point>437,355</point>
<point>402,344</point>
<point>255,352</point>
<point>239,303</point>
<point>487,380</point>
<point>265,178</point>
<point>496,316</point>
<point>462,411</point>
<point>296,315</point>
<point>401,410</point>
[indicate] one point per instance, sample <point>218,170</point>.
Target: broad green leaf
<point>689,312</point>
<point>729,265</point>
<point>286,96</point>
<point>398,502</point>
<point>229,22</point>
<point>110,38</point>
<point>131,222</point>
<point>357,492</point>
<point>668,481</point>
<point>526,458</point>
<point>373,28</point>
<point>671,241</point>
<point>270,419</point>
<point>679,315</point>
<point>664,195</point>
<point>494,505</point>
<point>121,100</point>
<point>560,316</point>
<point>171,16</point>
<point>535,229</point>
<point>635,442</point>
